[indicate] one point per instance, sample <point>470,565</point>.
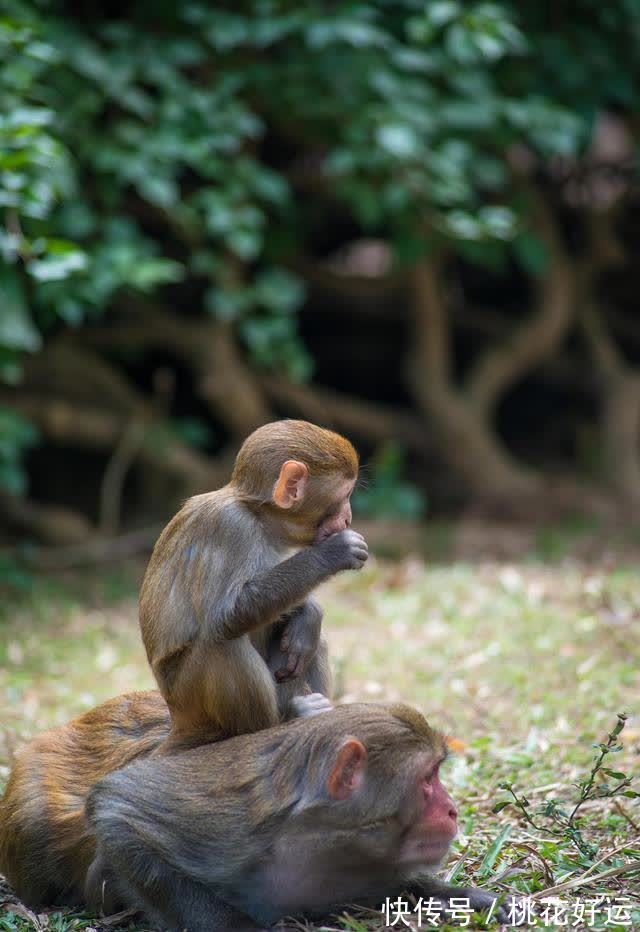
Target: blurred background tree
<point>415,222</point>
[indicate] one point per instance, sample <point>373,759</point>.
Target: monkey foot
<point>313,704</point>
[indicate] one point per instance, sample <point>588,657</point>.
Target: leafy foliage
<point>16,435</point>
<point>386,492</point>
<point>563,823</point>
<point>189,157</point>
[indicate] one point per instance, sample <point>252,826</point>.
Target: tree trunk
<point>621,433</point>
<point>462,436</point>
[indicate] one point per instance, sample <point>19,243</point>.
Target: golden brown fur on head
<point>263,453</point>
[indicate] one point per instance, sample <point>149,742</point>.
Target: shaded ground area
<point>525,662</point>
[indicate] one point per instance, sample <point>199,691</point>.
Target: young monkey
<point>227,621</point>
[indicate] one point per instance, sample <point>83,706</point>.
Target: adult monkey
<point>227,622</point>
<point>300,819</point>
<point>46,845</point>
<point>341,807</point>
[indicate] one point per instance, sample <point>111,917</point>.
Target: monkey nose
<point>453,812</point>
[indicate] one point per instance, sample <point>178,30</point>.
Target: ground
<point>525,661</point>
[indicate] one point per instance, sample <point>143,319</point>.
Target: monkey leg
<point>299,638</point>
<point>101,892</point>
<point>317,679</point>
<point>171,899</point>
<point>221,689</point>
<point>319,671</point>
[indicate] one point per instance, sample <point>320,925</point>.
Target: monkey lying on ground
<point>46,846</point>
<point>227,621</point>
<point>300,819</point>
<point>304,817</point>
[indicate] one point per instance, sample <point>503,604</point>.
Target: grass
<point>524,661</point>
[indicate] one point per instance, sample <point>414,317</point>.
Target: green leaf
<point>228,303</point>
<point>54,268</point>
<point>503,805</point>
<point>148,273</point>
<point>17,330</point>
<point>279,290</point>
<point>499,222</point>
<point>398,140</point>
<point>494,850</point>
<point>246,244</point>
<point>193,431</point>
<point>16,435</point>
<point>532,253</point>
<point>160,191</point>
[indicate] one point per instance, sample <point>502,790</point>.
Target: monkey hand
<point>345,550</point>
<point>300,640</point>
<point>511,912</point>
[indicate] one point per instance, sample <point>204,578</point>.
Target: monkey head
<point>301,477</point>
<point>391,767</point>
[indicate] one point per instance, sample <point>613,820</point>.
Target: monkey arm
<point>479,900</point>
<point>264,598</point>
<point>170,898</point>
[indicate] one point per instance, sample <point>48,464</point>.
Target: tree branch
<point>222,378</point>
<point>464,440</point>
<point>50,523</point>
<point>376,422</point>
<point>94,550</point>
<point>113,478</point>
<point>95,428</point>
<point>431,322</point>
<point>540,335</point>
<point>357,287</point>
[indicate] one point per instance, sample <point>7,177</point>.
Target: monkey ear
<point>347,772</point>
<point>291,484</point>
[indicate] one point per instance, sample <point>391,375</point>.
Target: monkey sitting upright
<point>226,619</point>
<point>301,819</point>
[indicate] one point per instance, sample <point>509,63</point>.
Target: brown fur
<point>234,835</point>
<point>45,845</point>
<point>219,584</point>
<point>261,456</point>
<point>230,835</point>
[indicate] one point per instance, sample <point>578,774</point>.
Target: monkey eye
<point>431,774</point>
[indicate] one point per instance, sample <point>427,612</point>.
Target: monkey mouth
<point>435,847</point>
<point>426,850</point>
<point>434,841</point>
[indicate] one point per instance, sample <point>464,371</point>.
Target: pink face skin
<point>435,824</point>
<point>323,510</point>
<point>338,516</point>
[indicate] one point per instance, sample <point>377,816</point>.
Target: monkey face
<point>337,513</point>
<point>324,509</point>
<point>433,821</point>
